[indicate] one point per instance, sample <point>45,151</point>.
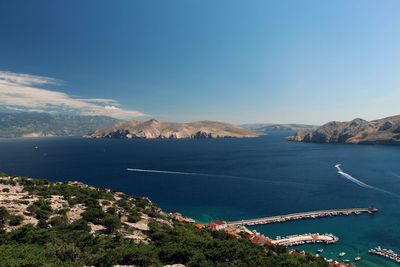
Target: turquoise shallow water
<point>248,178</point>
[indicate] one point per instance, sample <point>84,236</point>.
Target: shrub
<point>123,203</point>
<point>15,220</point>
<point>63,211</point>
<point>6,190</point>
<point>134,218</point>
<point>111,210</point>
<point>141,203</point>
<point>59,221</point>
<point>72,201</point>
<point>3,214</point>
<point>42,223</point>
<point>105,202</point>
<point>25,255</point>
<point>93,214</point>
<point>111,222</point>
<point>41,209</point>
<point>79,225</point>
<point>62,250</point>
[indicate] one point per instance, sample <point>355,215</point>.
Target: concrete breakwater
<point>303,215</point>
<point>295,240</point>
<point>387,253</point>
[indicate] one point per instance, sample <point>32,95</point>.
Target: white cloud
<point>26,79</point>
<point>22,92</point>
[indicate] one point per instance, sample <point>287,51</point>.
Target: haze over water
<point>231,179</point>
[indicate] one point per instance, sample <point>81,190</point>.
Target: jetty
<point>303,215</point>
<point>387,253</point>
<point>296,240</point>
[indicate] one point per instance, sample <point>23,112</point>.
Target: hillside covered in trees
<point>73,224</point>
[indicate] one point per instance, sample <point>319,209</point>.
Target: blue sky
<point>235,61</point>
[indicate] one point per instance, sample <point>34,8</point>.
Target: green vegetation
<point>56,241</point>
<point>15,220</point>
<point>41,209</point>
<point>18,124</point>
<point>3,215</point>
<point>68,245</point>
<point>133,217</point>
<point>111,222</point>
<point>94,214</point>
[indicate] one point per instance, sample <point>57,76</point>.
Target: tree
<point>59,221</point>
<point>111,222</point>
<point>93,214</point>
<point>134,216</point>
<point>3,214</point>
<point>41,209</point>
<point>62,250</point>
<point>15,220</point>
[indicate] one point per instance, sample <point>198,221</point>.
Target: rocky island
<point>46,223</point>
<point>357,131</point>
<point>153,128</point>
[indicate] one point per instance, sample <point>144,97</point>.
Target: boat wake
<point>360,183</point>
<point>351,178</point>
<point>213,175</point>
<point>395,174</point>
<point>179,173</point>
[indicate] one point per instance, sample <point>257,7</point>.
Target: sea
<point>233,179</point>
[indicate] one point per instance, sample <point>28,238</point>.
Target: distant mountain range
<point>357,131</point>
<point>155,129</point>
<point>31,124</point>
<point>270,127</point>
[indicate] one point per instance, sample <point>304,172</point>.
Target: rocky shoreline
<point>358,131</point>
<point>155,129</point>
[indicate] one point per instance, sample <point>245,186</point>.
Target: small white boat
<point>357,258</point>
<point>341,254</point>
<point>320,250</point>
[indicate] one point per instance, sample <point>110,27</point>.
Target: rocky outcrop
<point>156,129</point>
<point>357,131</point>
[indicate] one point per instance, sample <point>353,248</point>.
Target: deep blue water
<point>271,176</point>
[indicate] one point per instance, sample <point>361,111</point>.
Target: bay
<point>230,179</point>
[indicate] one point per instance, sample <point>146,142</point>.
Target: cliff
<point>155,129</point>
<point>357,131</point>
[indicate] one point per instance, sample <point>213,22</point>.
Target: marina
<point>387,253</point>
<point>303,215</point>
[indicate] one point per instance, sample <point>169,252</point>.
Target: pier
<point>303,215</point>
<point>296,240</point>
<point>387,253</point>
